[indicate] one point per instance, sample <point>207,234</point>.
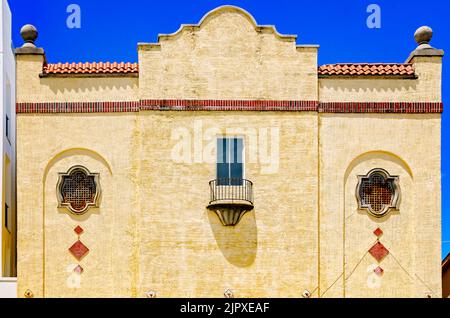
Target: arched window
<point>78,189</point>
<point>378,192</point>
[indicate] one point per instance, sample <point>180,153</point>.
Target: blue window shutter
<point>237,165</point>
<point>223,168</point>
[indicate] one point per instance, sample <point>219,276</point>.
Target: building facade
<point>227,162</point>
<point>446,277</point>
<point>8,281</point>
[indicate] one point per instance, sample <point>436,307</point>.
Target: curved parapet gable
<point>213,14</point>
<point>227,55</point>
<point>233,9</point>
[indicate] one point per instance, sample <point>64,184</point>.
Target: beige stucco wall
<point>46,232</point>
<point>405,146</point>
<point>153,231</point>
<point>33,88</point>
<point>226,58</point>
<point>425,88</point>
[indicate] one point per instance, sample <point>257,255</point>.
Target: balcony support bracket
<point>230,214</point>
<point>231,199</point>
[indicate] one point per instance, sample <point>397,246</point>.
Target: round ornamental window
<point>78,190</point>
<point>378,192</point>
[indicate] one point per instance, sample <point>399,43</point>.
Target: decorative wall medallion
<point>379,252</point>
<point>150,294</point>
<point>378,192</point>
<point>28,294</point>
<point>228,294</point>
<point>78,190</point>
<point>79,230</point>
<point>79,270</point>
<point>379,271</point>
<point>79,250</point>
<point>306,294</point>
<point>378,232</point>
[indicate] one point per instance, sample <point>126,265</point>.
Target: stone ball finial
<point>423,35</point>
<point>29,34</point>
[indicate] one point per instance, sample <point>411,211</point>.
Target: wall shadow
<point>238,244</point>
<point>377,154</point>
<point>79,217</point>
<point>88,84</point>
<point>370,85</point>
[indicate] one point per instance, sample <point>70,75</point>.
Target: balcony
<point>230,199</point>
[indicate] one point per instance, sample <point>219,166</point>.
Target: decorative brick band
<point>390,107</point>
<point>226,105</point>
<point>81,107</point>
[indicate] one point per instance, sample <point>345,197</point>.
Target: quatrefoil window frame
<point>395,198</point>
<point>59,190</point>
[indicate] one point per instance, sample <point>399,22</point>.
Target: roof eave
<point>372,76</point>
<point>84,75</point>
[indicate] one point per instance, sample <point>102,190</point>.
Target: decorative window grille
<point>378,192</point>
<point>78,190</point>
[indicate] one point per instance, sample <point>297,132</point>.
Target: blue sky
<point>110,30</point>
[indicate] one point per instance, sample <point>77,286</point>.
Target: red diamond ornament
<point>79,270</point>
<point>379,252</point>
<point>379,271</point>
<point>378,232</point>
<point>78,250</point>
<point>79,230</point>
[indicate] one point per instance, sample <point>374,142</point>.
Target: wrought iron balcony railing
<point>231,189</point>
<point>230,199</point>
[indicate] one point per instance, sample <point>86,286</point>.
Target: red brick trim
<point>379,107</point>
<point>226,105</point>
<point>82,107</point>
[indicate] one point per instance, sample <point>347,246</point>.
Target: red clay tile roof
<point>349,69</point>
<point>91,68</point>
<point>367,69</point>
